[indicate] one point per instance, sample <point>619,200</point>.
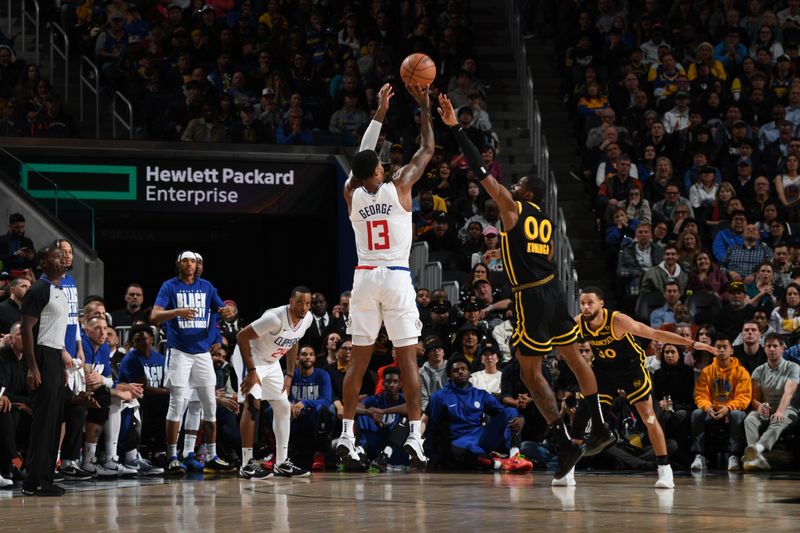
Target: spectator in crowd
<point>741,260</point>
<point>666,313</point>
<point>785,319</point>
<point>762,293</point>
<point>322,323</point>
<point>750,352</point>
<point>205,128</point>
<point>774,384</point>
<point>432,375</point>
<point>16,250</point>
<point>727,238</point>
<point>10,307</point>
<point>637,258</point>
<point>722,394</point>
<point>382,424</point>
<point>636,207</point>
<point>337,372</point>
<point>734,311</point>
<point>488,378</point>
<point>656,277</point>
<point>348,121</point>
<point>15,414</point>
<point>490,253</point>
<point>293,129</point>
<point>133,310</point>
<point>311,406</point>
<point>674,392</point>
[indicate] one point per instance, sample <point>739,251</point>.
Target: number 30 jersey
<point>276,335</point>
<point>382,226</point>
<point>612,354</point>
<point>526,246</point>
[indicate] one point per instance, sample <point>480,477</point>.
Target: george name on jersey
<point>538,248</point>
<point>375,209</point>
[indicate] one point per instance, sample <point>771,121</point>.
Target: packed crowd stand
<point>688,148</point>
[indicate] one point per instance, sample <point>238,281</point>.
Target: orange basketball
<point>418,68</point>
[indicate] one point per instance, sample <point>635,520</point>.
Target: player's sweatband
<point>471,153</point>
<point>370,138</point>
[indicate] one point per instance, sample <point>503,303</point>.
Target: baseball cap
<point>681,94</point>
<point>479,281</point>
<point>706,170</point>
<point>745,161</point>
<point>432,342</point>
<point>783,57</point>
<point>396,148</point>
<point>230,302</point>
<point>740,124</point>
<point>267,92</point>
<point>736,286</point>
<point>206,8</point>
<point>489,346</point>
<point>439,216</point>
<point>471,305</point>
<point>490,230</point>
<point>4,276</point>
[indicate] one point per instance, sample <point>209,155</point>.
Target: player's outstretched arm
<point>508,207</point>
<point>622,324</point>
<point>412,172</point>
<point>370,139</point>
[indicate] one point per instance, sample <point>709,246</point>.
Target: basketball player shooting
<point>382,288</point>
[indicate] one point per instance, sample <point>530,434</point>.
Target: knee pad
<point>361,340</point>
<point>401,343</point>
<point>280,407</point>
<point>177,403</point>
<point>209,402</point>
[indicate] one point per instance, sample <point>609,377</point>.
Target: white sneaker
<point>699,463</point>
<point>416,455</point>
<point>665,477</point>
<point>98,470</point>
<point>120,468</point>
<point>733,464</point>
<point>750,454</point>
<point>348,453</point>
<point>5,482</point>
<point>757,463</point>
<point>566,481</point>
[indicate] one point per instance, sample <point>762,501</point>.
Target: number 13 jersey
<point>382,226</point>
<point>526,247</point>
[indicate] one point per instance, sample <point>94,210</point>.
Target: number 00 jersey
<point>526,247</point>
<point>382,226</point>
<point>612,353</point>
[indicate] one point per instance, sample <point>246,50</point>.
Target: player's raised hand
<point>703,347</point>
<point>384,95</point>
<point>420,94</point>
<point>446,110</point>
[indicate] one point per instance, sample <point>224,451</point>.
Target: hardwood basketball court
<point>414,502</point>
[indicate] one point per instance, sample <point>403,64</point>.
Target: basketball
<point>418,68</point>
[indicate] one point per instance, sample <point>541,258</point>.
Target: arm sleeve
<point>268,322</point>
<point>471,153</point>
<point>370,138</point>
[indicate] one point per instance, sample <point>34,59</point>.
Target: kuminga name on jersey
<point>526,247</point>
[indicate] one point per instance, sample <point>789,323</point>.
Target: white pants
<point>383,296</point>
<point>189,369</point>
<point>271,376</point>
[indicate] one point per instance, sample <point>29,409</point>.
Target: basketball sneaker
<point>733,464</point>
<point>754,460</point>
<point>287,469</point>
<point>568,454</point>
<point>215,465</point>
<point>119,468</point>
<point>98,470</point>
<point>318,464</point>
<point>381,462</point>
<point>598,441</point>
<point>517,463</point>
<point>43,490</point>
<point>347,452</point>
<point>144,467</point>
<point>5,482</point>
<point>699,463</point>
<point>72,472</point>
<point>193,463</point>
<point>416,455</point>
<point>175,466</point>
<point>253,470</point>
<point>566,481</point>
<point>665,477</point>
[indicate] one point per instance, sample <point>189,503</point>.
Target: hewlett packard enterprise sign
<point>246,187</point>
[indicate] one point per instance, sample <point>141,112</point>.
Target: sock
<point>189,441</point>
<point>172,450</point>
<point>513,451</point>
<point>58,457</point>
<point>415,427</point>
<point>663,460</point>
<point>760,447</point>
<point>347,428</point>
<point>388,451</point>
<point>131,455</point>
<point>593,401</point>
<point>247,454</point>
<point>89,450</point>
<point>211,449</point>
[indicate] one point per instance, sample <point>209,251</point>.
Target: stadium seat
<point>646,304</point>
<point>704,307</point>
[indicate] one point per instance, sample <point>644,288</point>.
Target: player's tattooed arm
<point>412,172</point>
<point>623,324</point>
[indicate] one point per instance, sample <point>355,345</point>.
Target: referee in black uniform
<point>543,319</point>
<point>45,312</point>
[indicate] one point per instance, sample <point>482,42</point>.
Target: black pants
<point>8,439</point>
<point>154,412</point>
<point>74,421</point>
<point>48,407</point>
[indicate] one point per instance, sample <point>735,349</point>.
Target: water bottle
<point>670,408</point>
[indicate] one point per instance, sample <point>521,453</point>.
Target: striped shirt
<point>50,305</point>
<point>744,260</point>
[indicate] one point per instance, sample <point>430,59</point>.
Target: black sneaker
<point>568,456</point>
<point>253,470</point>
<point>598,441</point>
<point>74,473</point>
<point>215,465</point>
<point>18,474</point>
<point>287,469</point>
<point>381,462</point>
<point>58,476</point>
<point>43,490</point>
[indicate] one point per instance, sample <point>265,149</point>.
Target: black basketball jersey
<point>611,352</point>
<point>526,247</point>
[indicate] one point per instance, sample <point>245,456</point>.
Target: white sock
<point>172,450</point>
<point>347,428</point>
<point>388,451</point>
<point>189,441</point>
<point>211,449</point>
<point>247,454</point>
<point>760,447</point>
<point>131,455</point>
<point>513,451</point>
<point>58,456</point>
<point>416,427</point>
<point>281,425</point>
<point>89,451</point>
<point>111,432</point>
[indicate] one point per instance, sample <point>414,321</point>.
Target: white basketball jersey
<point>382,226</point>
<point>270,346</point>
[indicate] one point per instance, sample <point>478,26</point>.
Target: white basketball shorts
<point>381,295</point>
<point>271,376</point>
<point>189,369</point>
